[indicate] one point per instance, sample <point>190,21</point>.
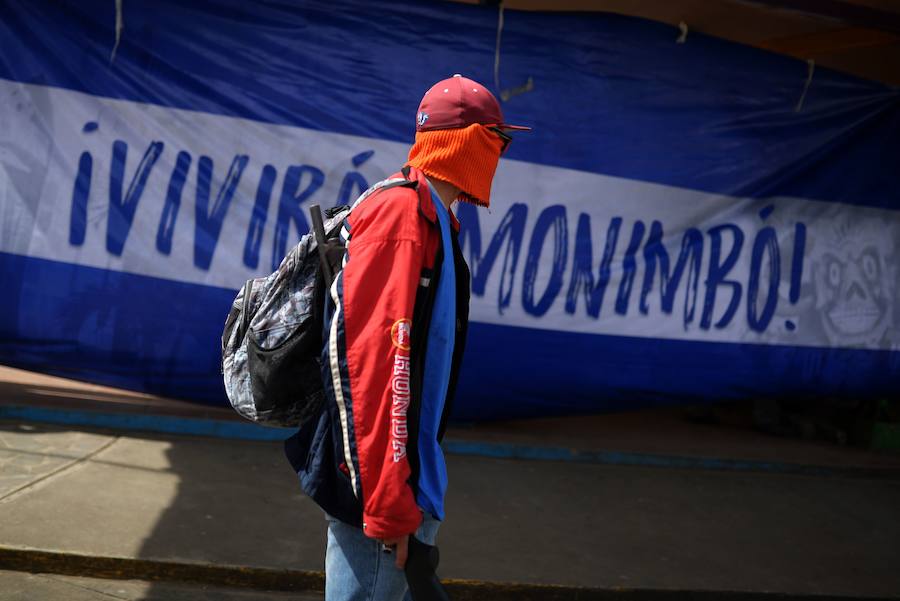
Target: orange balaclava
<point>466,158</point>
<point>457,139</point>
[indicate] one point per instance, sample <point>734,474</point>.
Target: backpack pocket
<point>287,377</point>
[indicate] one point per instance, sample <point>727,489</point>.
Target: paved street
<point>229,502</point>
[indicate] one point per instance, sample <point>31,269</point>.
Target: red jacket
<point>379,312</point>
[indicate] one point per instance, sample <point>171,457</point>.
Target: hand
<point>400,546</point>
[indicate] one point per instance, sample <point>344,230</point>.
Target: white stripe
<point>336,381</point>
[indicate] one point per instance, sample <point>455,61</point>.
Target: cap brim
<point>514,127</point>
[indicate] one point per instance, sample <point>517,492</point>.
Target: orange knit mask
<point>465,157</point>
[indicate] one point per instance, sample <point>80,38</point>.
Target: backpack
<point>273,336</point>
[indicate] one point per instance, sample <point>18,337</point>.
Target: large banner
<point>688,222</point>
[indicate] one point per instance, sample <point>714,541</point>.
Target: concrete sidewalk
<point>226,502</point>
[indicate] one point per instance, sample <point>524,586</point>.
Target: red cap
<point>459,102</point>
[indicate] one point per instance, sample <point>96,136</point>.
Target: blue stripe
<point>113,328</point>
<point>522,372</point>
<point>626,100</point>
<point>146,423</point>
<point>132,331</point>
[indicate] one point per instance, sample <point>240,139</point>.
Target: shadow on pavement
<point>236,503</point>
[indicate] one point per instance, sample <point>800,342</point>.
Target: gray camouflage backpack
<point>273,338</point>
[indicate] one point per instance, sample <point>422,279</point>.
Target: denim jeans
<point>356,568</point>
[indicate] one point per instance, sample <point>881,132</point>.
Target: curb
<point>631,459</point>
<point>22,559</point>
<point>243,430</point>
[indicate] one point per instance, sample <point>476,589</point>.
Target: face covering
<point>465,157</point>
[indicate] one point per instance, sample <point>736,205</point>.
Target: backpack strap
<point>414,184</point>
<point>385,186</point>
<point>405,184</point>
<point>245,311</point>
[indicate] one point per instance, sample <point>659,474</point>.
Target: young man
<point>396,326</point>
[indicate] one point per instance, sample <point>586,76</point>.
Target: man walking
<point>396,325</point>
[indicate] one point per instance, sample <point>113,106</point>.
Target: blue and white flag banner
<point>674,230</point>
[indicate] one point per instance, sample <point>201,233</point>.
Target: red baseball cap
<point>459,102</point>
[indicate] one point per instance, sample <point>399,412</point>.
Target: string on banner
<point>810,69</point>
<point>508,93</point>
<point>120,25</point>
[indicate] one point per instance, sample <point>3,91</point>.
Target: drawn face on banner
<point>25,145</point>
<point>854,283</point>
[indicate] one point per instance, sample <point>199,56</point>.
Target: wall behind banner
<point>678,227</point>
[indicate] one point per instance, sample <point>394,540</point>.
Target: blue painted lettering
<point>354,182</point>
<point>629,266</point>
<point>654,250</point>
<point>166,229</point>
<point>583,266</point>
<point>81,191</point>
<point>122,209</point>
<point>259,216</point>
<point>511,231</point>
<point>766,242</point>
<point>797,261</point>
<point>208,224</point>
<point>553,216</point>
<point>717,272</point>
<point>289,210</point>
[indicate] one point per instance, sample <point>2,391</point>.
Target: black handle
<point>319,232</point>
<point>421,563</point>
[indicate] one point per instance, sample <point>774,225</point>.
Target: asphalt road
<point>228,502</point>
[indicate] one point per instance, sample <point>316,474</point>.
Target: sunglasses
<point>504,137</point>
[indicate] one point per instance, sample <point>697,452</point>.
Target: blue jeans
<point>356,568</point>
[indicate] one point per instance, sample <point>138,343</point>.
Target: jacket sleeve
<point>377,290</point>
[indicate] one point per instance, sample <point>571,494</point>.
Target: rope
<point>120,25</point>
<point>811,68</point>
<point>497,48</point>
